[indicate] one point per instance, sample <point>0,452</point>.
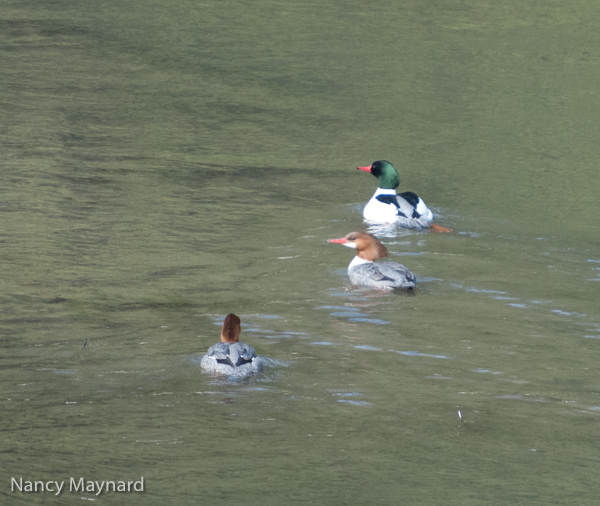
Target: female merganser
<point>405,209</point>
<point>231,357</point>
<point>362,270</point>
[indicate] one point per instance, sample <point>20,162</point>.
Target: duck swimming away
<point>230,357</point>
<point>405,209</point>
<point>363,271</point>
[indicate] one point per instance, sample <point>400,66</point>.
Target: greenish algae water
<point>166,163</point>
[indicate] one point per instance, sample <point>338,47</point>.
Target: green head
<point>385,173</point>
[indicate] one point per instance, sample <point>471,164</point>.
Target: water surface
<point>165,165</point>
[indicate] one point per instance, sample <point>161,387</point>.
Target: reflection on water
<point>166,165</point>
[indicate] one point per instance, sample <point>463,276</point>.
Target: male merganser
<point>405,209</point>
<point>362,270</point>
<point>231,357</point>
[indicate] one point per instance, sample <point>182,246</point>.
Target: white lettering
<point>99,488</point>
<point>76,489</point>
<point>56,487</point>
<point>60,487</point>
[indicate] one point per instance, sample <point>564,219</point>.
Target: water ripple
<point>418,354</point>
<point>566,313</point>
<point>369,320</point>
<point>347,314</point>
<point>355,403</point>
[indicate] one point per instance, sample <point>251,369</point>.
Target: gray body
<point>231,359</point>
<point>384,275</point>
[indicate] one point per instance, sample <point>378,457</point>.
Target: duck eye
<point>353,238</point>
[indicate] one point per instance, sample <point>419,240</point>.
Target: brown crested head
<point>368,247</point>
<point>230,333</point>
